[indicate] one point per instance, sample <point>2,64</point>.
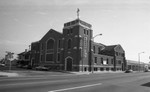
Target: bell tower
<point>77,35</point>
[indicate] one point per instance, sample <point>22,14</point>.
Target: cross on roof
<point>78,13</point>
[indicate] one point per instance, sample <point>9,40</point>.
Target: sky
<point>124,22</point>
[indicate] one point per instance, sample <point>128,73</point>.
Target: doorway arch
<point>68,63</point>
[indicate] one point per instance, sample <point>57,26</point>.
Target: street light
<point>139,59</point>
<point>95,36</point>
<point>91,54</point>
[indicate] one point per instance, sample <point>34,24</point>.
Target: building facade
<point>137,66</point>
<point>74,50</point>
<point>24,57</point>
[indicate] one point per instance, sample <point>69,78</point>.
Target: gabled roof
<point>35,42</point>
<point>50,31</point>
<point>100,44</point>
<point>23,53</point>
<point>109,48</point>
<point>54,31</point>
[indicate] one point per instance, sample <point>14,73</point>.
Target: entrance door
<point>69,64</point>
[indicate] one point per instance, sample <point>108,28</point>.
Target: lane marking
<point>76,87</point>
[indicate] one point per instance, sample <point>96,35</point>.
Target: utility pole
<point>139,60</point>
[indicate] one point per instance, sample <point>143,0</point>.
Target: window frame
<point>69,44</point>
<point>53,44</point>
<point>52,57</point>
<point>102,61</point>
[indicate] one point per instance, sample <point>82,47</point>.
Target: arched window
<point>50,44</point>
<point>69,44</point>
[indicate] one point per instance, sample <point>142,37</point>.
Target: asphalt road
<point>111,82</point>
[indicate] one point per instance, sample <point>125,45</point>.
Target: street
<point>108,82</point>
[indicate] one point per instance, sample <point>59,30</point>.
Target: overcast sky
<point>124,22</point>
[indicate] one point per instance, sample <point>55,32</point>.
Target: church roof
<point>109,48</point>
<point>55,31</point>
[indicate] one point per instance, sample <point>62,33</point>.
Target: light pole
<point>91,52</point>
<point>139,59</point>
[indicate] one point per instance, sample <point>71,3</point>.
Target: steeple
<point>77,22</point>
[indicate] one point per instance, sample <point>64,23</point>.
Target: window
<point>116,53</point>
<point>95,59</point>
<point>59,43</point>
<point>95,69</point>
<point>85,69</point>
<point>58,57</point>
<point>87,32</point>
<point>68,31</point>
<point>107,69</point>
<point>27,56</point>
<point>119,62</point>
<point>49,57</point>
<point>99,49</point>
<point>122,54</point>
<point>112,69</point>
<point>42,46</point>
<point>107,61</point>
<point>69,44</point>
<point>93,49</point>
<point>84,31</point>
<point>71,30</point>
<point>41,57</point>
<point>112,61</point>
<point>50,44</point>
<point>102,61</point>
<point>102,69</point>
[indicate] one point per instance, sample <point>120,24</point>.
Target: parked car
<point>42,68</point>
<point>147,70</point>
<point>27,67</point>
<point>19,66</point>
<point>2,65</point>
<point>128,71</point>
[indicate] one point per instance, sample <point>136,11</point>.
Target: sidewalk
<point>7,74</point>
<point>99,72</point>
<point>29,73</point>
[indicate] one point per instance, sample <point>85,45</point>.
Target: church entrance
<point>69,64</point>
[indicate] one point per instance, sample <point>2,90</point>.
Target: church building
<point>74,50</point>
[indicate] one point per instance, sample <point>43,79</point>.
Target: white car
<point>2,64</point>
